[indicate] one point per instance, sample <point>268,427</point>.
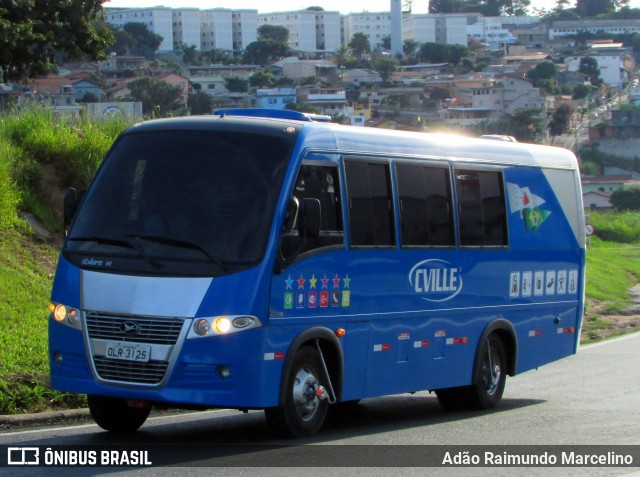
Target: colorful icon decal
<point>522,200</point>
<point>313,292</point>
<point>543,283</point>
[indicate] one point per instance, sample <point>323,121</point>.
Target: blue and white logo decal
<point>435,280</point>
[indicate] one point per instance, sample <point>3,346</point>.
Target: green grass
<point>33,144</point>
<point>612,268</point>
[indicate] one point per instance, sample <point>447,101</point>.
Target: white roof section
<point>392,143</point>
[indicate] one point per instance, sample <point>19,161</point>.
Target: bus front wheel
<point>116,415</point>
<point>305,402</point>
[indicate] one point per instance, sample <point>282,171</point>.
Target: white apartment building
<point>216,29</point>
<point>245,28</point>
<point>563,28</point>
<point>158,20</point>
<point>375,26</point>
<point>490,31</point>
<point>186,27</point>
<point>309,31</point>
<point>449,29</point>
<point>614,63</point>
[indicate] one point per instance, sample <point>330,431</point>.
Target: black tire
<point>303,412</point>
<point>491,376</point>
<point>115,415</point>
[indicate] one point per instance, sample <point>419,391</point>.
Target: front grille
<point>129,371</point>
<point>149,330</point>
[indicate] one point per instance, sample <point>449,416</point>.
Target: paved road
<point>588,399</point>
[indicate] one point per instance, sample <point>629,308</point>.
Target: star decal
<point>325,281</point>
<point>301,281</point>
<point>289,283</point>
<point>312,281</point>
<point>346,281</point>
<point>336,281</point>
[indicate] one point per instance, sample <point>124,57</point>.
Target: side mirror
<point>71,200</point>
<point>305,217</point>
<point>310,219</point>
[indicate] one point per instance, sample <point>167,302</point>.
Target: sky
<point>266,6</point>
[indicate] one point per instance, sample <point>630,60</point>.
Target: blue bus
<point>266,263</point>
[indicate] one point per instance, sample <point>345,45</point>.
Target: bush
<point>623,227</point>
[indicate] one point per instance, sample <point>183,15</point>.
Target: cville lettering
<point>436,280</point>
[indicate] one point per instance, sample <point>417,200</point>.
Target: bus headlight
<point>222,325</point>
<point>65,315</point>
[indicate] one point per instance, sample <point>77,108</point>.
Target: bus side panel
<point>546,247</point>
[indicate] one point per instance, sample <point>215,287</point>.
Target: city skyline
<point>286,5</point>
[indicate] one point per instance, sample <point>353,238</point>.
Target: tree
<point>591,8</point>
<point>589,66</point>
<point>32,33</point>
<point>434,52</point>
<point>542,71</point>
<point>311,80</point>
<point>145,42</point>
<point>190,55</point>
<point>235,84</point>
<point>560,120</point>
<point>384,66</point>
<point>158,97</point>
<point>261,78</point>
<point>274,33</point>
<point>342,56</point>
<point>439,94</point>
<point>581,91</point>
<point>200,103</point>
<point>359,45</point>
<point>409,46</point>
<point>263,51</point>
<point>626,199</point>
<point>526,124</point>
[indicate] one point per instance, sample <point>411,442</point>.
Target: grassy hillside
<point>40,156</point>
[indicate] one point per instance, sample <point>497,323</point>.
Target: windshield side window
<point>426,217</point>
<point>319,184</point>
<point>371,221</point>
<point>481,208</point>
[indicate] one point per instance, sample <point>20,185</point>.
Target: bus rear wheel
<point>305,403</point>
<point>491,375</point>
<point>116,415</point>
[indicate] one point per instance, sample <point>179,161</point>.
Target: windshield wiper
<point>119,243</point>
<point>176,242</point>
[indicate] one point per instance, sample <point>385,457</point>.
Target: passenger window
<point>371,220</point>
<point>481,208</point>
<point>318,183</point>
<point>426,217</point>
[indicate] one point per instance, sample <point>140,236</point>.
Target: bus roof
<point>329,137</point>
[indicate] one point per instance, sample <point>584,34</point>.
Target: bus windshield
<point>181,202</point>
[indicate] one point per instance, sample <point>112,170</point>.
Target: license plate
<point>128,352</point>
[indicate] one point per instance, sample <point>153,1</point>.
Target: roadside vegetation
<point>41,155</point>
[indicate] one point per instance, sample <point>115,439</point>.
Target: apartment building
<point>216,29</point>
<point>244,28</point>
<point>449,29</point>
<point>375,25</point>
<point>614,62</point>
<point>186,27</point>
<point>158,20</point>
<point>563,28</point>
<point>310,31</point>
